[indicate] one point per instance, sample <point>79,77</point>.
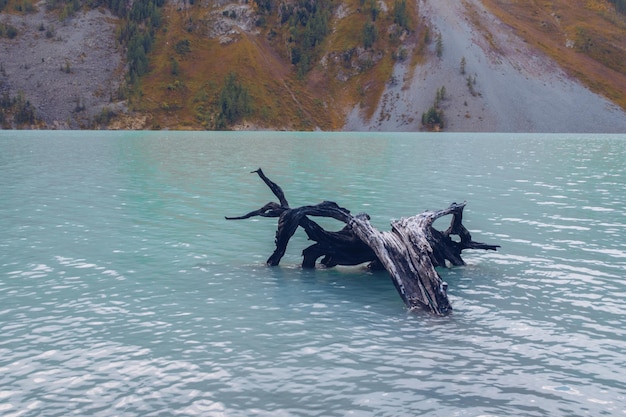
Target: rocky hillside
<point>496,80</point>
<point>393,65</point>
<point>63,72</point>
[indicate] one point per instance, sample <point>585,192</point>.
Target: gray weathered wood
<point>410,252</point>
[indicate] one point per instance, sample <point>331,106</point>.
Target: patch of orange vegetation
<point>598,5</point>
<point>19,6</point>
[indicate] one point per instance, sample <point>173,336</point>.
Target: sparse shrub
<point>370,34</point>
<point>23,112</point>
<point>308,26</point>
<point>80,105</point>
<point>7,31</point>
<point>234,102</point>
<point>346,57</point>
<point>584,42</point>
<point>67,67</point>
<point>176,85</point>
<point>5,101</point>
<point>175,70</point>
<point>265,6</point>
<point>403,54</point>
<point>372,6</point>
<point>439,45</point>
<point>137,55</point>
<point>400,16</point>
<point>26,6</point>
<point>471,81</point>
<point>433,118</point>
<point>440,96</point>
<point>620,5</point>
<point>136,32</point>
<point>104,117</point>
<point>183,47</point>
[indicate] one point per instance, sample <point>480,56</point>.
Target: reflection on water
<point>123,291</point>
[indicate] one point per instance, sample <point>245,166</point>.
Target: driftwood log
<point>410,252</point>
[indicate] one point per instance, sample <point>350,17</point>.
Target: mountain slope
<point>507,85</point>
<point>259,47</point>
<point>396,65</point>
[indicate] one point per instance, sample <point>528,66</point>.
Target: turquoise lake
<point>125,292</point>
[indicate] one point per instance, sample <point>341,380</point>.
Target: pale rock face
<point>509,87</point>
<point>69,71</point>
<point>230,20</point>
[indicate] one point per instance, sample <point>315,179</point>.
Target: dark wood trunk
<point>410,252</point>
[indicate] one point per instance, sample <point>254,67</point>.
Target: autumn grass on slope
<point>586,37</point>
<point>363,82</point>
<point>188,69</point>
<point>183,86</point>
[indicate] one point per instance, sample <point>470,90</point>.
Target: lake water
<point>125,292</point>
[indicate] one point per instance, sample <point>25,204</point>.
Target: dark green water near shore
<point>123,291</point>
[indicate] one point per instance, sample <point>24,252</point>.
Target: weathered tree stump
<point>410,252</point>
